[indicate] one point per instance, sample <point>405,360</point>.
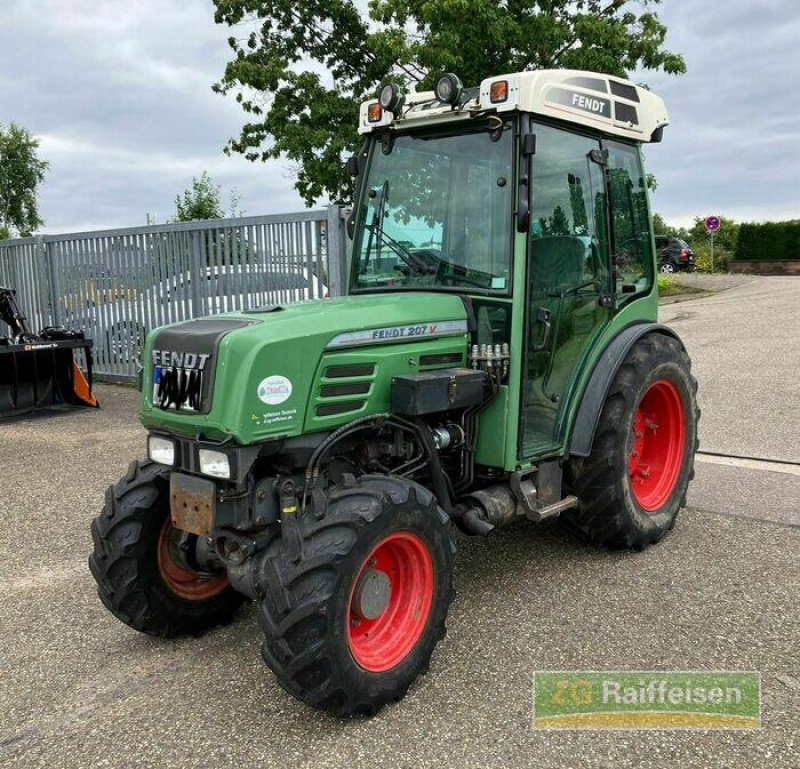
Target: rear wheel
<point>352,614</point>
<point>149,574</point>
<point>667,268</point>
<point>634,481</point>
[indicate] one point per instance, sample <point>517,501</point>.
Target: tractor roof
<point>602,102</point>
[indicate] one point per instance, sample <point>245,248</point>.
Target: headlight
<point>449,88</point>
<point>391,97</point>
<point>161,450</point>
<point>214,463</point>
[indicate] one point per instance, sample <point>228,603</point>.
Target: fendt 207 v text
<point>496,358</point>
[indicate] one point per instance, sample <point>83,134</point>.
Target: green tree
<point>662,227</point>
<point>310,118</point>
<point>21,173</point>
<point>202,201</point>
<point>725,242</point>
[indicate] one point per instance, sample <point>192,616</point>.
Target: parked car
<point>673,254</point>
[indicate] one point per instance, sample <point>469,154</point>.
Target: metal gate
<point>117,285</point>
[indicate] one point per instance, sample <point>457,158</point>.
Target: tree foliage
<point>726,240</point>
<point>21,173</point>
<point>300,70</point>
<point>202,201</point>
<point>769,240</point>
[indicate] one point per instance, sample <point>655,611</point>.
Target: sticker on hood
<point>274,389</point>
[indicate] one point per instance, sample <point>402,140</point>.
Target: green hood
<point>309,366</point>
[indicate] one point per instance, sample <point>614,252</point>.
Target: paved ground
<point>717,282</point>
<point>745,347</point>
<point>745,344</point>
<point>81,690</point>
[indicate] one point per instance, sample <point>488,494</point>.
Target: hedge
<point>768,241</point>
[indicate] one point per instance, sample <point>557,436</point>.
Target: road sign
<point>713,223</point>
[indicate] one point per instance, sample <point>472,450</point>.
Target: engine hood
<point>304,367</point>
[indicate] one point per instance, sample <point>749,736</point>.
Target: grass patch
<point>669,286</point>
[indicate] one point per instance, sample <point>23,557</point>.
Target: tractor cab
<point>528,197</point>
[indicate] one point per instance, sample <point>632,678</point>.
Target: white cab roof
<point>603,102</point>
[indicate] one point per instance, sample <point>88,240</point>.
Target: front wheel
<point>634,480</point>
<point>149,574</point>
<point>352,614</point>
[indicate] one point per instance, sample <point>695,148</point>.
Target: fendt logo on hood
<point>428,330</point>
<point>185,360</point>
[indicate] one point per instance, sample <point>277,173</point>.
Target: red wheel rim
<point>659,436</point>
<point>380,643</point>
<point>179,578</point>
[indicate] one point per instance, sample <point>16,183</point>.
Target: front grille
<point>177,388</point>
<point>350,370</point>
<point>351,388</point>
<point>330,409</point>
<point>340,382</point>
<point>183,360</point>
<point>441,358</point>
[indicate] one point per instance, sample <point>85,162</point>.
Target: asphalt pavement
<point>81,690</point>
<point>744,342</point>
<point>745,348</point>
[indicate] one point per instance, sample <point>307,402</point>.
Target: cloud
<point>731,148</point>
<point>120,93</point>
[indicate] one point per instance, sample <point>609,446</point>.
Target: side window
<point>568,212</point>
<point>568,276</point>
<point>631,244</point>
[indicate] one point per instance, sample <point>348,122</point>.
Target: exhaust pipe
<point>486,509</point>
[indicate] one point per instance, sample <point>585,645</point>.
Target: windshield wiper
<point>376,229</point>
<point>377,223</point>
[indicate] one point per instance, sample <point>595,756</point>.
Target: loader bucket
<point>43,375</point>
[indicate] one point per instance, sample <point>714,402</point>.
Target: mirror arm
<point>527,148</point>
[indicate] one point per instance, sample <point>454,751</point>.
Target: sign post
<point>712,223</point>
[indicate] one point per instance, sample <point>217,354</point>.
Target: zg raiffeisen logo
<point>652,699</point>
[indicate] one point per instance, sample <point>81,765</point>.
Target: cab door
<point>568,298</point>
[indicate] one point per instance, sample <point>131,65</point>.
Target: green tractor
<point>496,358</point>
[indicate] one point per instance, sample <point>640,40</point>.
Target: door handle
<point>543,317</point>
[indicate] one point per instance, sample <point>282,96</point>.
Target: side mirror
<point>352,165</point>
<point>351,224</point>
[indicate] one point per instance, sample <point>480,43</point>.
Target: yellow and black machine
<point>40,370</point>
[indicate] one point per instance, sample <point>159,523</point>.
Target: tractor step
<point>553,510</point>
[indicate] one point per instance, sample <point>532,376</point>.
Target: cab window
<point>631,248</point>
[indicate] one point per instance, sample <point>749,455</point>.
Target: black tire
<point>609,510</point>
<point>125,563</point>
<point>308,582</point>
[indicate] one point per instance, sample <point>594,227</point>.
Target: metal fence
<point>116,285</point>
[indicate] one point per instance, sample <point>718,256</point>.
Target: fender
<point>594,396</point>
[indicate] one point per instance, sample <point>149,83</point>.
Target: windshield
<point>437,212</point>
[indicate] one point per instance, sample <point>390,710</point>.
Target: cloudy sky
<point>119,91</point>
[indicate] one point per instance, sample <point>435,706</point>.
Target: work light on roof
<point>391,97</point>
<point>448,89</point>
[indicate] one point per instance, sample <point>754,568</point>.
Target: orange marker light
<point>498,91</point>
<point>374,112</point>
